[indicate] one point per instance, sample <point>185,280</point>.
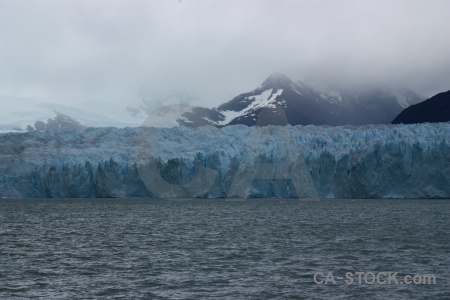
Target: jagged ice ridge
<point>374,161</point>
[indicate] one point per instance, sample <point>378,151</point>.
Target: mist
<point>74,52</point>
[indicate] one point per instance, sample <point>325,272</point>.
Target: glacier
<point>373,161</point>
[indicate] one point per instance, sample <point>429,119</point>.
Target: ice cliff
<point>384,161</point>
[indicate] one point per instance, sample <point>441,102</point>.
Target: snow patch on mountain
<point>261,99</point>
<point>265,99</point>
<point>228,115</point>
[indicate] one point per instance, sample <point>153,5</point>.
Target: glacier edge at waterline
<point>375,161</point>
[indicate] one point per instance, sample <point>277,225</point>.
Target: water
<point>254,249</point>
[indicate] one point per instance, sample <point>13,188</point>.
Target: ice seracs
<point>384,161</point>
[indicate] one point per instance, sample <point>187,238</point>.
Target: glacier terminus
<point>372,161</point>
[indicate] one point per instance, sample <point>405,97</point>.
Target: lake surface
<point>252,249</point>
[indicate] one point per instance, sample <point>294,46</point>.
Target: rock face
<point>385,161</point>
<point>61,122</point>
<point>434,110</point>
<point>281,101</point>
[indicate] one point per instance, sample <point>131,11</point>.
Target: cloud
<point>111,50</point>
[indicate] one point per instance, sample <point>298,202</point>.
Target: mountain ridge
<point>278,100</point>
<point>281,101</point>
<point>433,110</point>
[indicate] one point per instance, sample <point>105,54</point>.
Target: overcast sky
<point>116,50</point>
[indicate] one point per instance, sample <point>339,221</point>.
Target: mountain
<point>60,121</point>
<point>23,113</point>
<point>167,116</point>
<point>281,101</point>
<point>162,110</point>
<point>434,110</point>
<point>277,101</point>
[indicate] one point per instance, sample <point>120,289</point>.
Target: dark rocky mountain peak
<point>281,101</point>
<point>59,122</point>
<point>276,80</point>
<point>434,110</point>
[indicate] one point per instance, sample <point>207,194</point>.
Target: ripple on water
<point>137,248</point>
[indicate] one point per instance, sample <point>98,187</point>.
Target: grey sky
<point>109,50</point>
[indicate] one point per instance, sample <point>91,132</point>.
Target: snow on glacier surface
<point>383,161</point>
